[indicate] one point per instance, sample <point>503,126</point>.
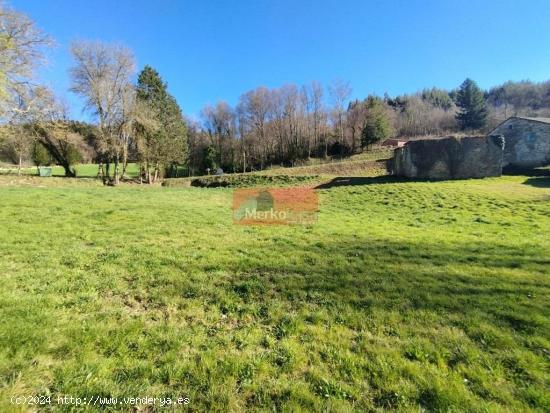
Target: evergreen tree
<point>470,100</point>
<point>210,157</point>
<point>377,124</point>
<point>40,155</point>
<point>164,148</point>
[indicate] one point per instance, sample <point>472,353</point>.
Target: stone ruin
<point>517,143</point>
<point>450,158</point>
<point>527,142</point>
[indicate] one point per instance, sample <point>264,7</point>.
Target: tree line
<point>140,121</point>
<point>133,121</point>
<point>292,123</point>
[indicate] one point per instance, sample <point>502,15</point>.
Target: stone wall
<point>450,158</point>
<point>527,142</point>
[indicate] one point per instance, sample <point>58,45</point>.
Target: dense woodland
<point>137,120</point>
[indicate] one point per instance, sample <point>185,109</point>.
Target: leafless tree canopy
<point>21,52</point>
<point>102,76</point>
<point>267,126</point>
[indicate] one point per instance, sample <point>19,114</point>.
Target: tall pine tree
<point>164,148</point>
<point>470,100</point>
<point>377,125</point>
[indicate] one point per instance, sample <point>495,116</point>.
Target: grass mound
<point>242,180</point>
<point>343,168</point>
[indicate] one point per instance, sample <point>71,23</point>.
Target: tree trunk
<point>148,172</point>
<point>341,121</point>
<point>156,172</point>
<point>19,167</point>
<point>124,160</point>
<point>116,170</point>
<point>107,175</point>
<point>103,173</point>
<point>68,171</point>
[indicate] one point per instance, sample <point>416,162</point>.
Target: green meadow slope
<point>402,295</point>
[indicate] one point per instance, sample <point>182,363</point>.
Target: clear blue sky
<point>209,50</point>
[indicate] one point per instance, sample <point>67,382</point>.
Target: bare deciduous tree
<point>42,118</point>
<point>21,52</point>
<point>339,92</point>
<point>254,107</point>
<point>219,121</point>
<point>313,97</point>
<point>30,105</point>
<point>101,74</point>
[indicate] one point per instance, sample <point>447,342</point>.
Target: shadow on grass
<point>534,172</point>
<point>538,177</point>
<point>538,182</point>
<point>469,281</point>
<point>65,176</point>
<point>36,175</point>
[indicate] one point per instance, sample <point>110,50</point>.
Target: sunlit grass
<point>402,295</point>
<point>82,170</point>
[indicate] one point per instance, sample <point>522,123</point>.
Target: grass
<point>372,154</point>
<point>344,168</point>
<point>368,163</point>
<point>363,164</point>
<point>243,180</point>
<point>404,295</point>
<point>82,170</point>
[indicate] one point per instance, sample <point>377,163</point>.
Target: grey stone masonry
<point>527,142</point>
<point>450,158</point>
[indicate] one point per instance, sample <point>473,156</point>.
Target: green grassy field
<point>82,170</point>
<point>404,295</point>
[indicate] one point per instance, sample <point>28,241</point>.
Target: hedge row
<point>241,180</point>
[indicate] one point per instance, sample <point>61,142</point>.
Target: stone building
<point>527,142</point>
<point>450,158</point>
